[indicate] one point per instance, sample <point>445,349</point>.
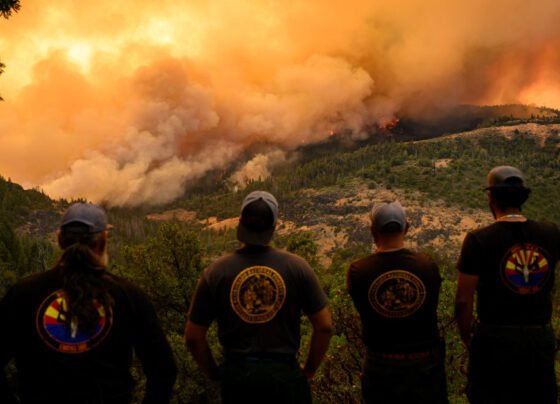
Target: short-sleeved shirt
<point>63,365</point>
<point>257,295</point>
<point>396,294</point>
<point>515,262</point>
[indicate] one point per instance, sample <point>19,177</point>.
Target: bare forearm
<point>200,350</point>
<point>464,315</point>
<point>317,349</point>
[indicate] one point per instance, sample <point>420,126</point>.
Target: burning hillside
<point>159,94</point>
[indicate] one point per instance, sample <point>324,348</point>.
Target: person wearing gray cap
<point>396,293</point>
<point>72,329</point>
<point>510,264</point>
<point>257,295</point>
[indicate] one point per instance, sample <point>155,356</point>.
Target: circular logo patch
<point>397,294</point>
<point>257,294</point>
<point>525,268</point>
<point>55,333</point>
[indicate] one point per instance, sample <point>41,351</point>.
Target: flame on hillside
<point>388,124</point>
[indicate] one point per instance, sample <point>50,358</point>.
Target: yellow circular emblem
<point>397,294</point>
<point>257,294</point>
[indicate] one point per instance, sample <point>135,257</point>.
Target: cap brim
<point>252,237</point>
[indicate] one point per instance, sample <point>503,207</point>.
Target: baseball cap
<point>84,218</point>
<point>387,212</point>
<point>505,177</point>
<point>258,204</point>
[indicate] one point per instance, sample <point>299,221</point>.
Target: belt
<point>510,326</point>
<point>261,357</point>
<point>404,355</point>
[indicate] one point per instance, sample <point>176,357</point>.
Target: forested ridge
<point>165,258</point>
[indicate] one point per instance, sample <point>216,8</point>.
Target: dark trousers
<point>398,381</point>
<point>512,365</point>
<point>263,381</point>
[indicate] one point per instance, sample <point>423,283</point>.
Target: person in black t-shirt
<point>72,330</point>
<point>510,264</point>
<point>257,295</point>
<point>396,293</point>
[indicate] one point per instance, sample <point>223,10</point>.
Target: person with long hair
<point>72,330</point>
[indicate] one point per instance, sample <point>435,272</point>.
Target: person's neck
<point>510,215</point>
<point>390,245</point>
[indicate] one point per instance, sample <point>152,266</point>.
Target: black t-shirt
<point>515,262</point>
<point>396,294</point>
<point>58,364</point>
<point>257,295</point>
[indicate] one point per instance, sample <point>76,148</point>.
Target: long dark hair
<point>83,279</point>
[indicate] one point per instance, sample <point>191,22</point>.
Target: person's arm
<point>7,309</point>
<point>154,352</point>
<point>195,336</point>
<point>320,337</point>
<point>466,286</point>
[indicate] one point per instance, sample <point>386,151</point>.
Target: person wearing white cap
<point>510,264</point>
<point>257,294</point>
<point>72,330</point>
<point>396,293</point>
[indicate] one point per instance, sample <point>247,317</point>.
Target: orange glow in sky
<point>125,101</point>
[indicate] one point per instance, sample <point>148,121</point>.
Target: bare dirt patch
<point>230,223</point>
<point>181,215</point>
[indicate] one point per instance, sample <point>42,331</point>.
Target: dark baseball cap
<point>385,213</point>
<point>258,204</point>
<point>84,218</point>
<point>505,177</point>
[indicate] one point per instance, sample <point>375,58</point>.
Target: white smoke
<point>258,168</point>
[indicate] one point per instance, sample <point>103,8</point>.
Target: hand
<point>308,375</point>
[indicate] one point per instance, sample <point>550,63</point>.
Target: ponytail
<point>83,280</point>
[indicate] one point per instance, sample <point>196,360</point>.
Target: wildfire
<point>388,124</point>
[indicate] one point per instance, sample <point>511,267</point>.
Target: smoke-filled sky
<point>125,101</point>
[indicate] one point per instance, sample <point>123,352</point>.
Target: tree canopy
<point>7,7</point>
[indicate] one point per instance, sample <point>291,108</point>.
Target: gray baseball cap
<point>84,218</point>
<point>387,212</point>
<point>505,177</point>
<point>258,236</point>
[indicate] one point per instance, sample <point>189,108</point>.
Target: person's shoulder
<point>482,230</point>
<point>422,256</point>
<point>219,263</point>
<point>286,255</point>
<point>39,279</point>
<point>362,264</point>
<point>544,225</point>
<point>119,285</point>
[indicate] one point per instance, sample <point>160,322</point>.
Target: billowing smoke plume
<point>258,168</point>
<point>154,94</point>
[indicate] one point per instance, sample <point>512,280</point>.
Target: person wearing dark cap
<point>510,264</point>
<point>396,291</point>
<point>72,330</point>
<point>257,295</point>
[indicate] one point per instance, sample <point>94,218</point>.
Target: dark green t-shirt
<point>515,262</point>
<point>396,294</point>
<point>257,296</point>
